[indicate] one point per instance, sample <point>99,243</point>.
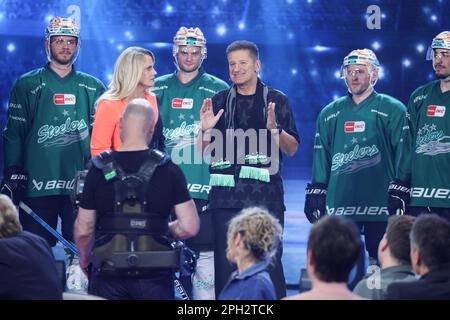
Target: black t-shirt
<point>167,186</point>
<point>248,115</point>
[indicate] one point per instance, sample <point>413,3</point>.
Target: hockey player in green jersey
<point>357,147</point>
<point>180,96</point>
<point>47,135</point>
<point>425,169</point>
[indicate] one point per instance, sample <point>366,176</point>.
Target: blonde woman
<point>253,238</point>
<point>134,75</point>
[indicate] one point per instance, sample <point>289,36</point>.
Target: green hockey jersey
<point>49,127</point>
<point>180,112</point>
<point>356,153</point>
<point>428,168</point>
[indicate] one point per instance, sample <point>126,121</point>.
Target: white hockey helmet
<point>189,37</point>
<point>364,57</point>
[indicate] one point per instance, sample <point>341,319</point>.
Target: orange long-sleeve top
<point>106,131</point>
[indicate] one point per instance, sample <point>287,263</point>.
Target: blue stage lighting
<point>168,9</point>
<point>337,74</point>
<point>221,30</point>
<point>319,48</point>
<point>381,73</point>
<point>420,48</point>
<point>376,45</point>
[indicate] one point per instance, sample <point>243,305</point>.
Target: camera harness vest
<point>132,249</point>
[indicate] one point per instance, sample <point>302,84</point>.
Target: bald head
<point>137,121</point>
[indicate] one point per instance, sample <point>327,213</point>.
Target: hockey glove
<point>77,192</point>
<point>315,201</point>
<point>15,183</point>
<point>398,197</point>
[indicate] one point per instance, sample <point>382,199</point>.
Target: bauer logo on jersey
<point>435,111</point>
<point>354,126</point>
<point>64,99</point>
<point>185,103</point>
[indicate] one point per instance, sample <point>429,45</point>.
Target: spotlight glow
<point>381,73</point>
<point>376,45</point>
<point>221,30</point>
<point>319,48</point>
<point>168,9</point>
<point>241,25</point>
<point>11,47</point>
<point>128,35</point>
<point>216,11</point>
<point>420,48</point>
<point>160,45</point>
<point>406,63</point>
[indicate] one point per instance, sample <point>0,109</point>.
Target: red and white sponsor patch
<point>186,103</point>
<point>354,126</point>
<point>64,99</point>
<point>435,111</point>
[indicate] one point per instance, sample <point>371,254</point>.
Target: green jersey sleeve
<point>18,124</point>
<point>322,152</point>
<point>398,132</point>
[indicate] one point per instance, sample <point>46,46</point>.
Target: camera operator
<point>123,226</point>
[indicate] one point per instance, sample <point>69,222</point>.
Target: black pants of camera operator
<point>158,285</point>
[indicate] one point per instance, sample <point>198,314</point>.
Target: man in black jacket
<point>27,266</point>
<point>247,128</point>
<point>430,257</point>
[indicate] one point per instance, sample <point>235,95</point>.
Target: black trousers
<point>49,208</point>
<point>373,233</point>
<point>442,212</point>
<point>224,268</point>
<point>158,287</point>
